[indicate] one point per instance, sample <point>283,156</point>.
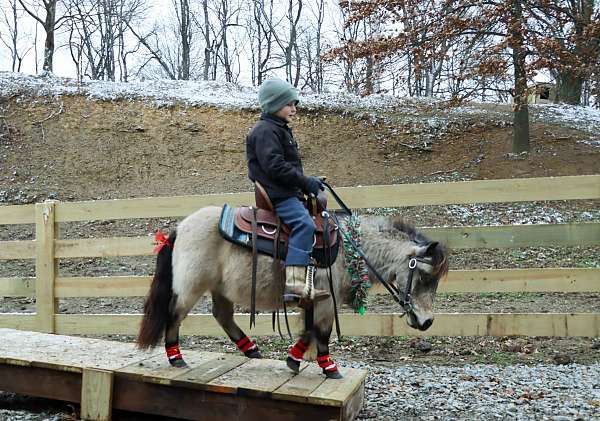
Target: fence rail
<point>48,286</point>
<point>457,281</point>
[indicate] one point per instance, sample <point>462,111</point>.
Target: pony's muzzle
<point>420,322</point>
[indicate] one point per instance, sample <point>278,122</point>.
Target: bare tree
<point>227,14</point>
<point>290,45</point>
<point>97,36</point>
<point>207,40</point>
<point>262,36</point>
<point>171,45</point>
<point>49,22</point>
<point>11,20</point>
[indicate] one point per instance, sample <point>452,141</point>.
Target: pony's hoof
<point>293,365</point>
<point>179,364</point>
<point>254,353</point>
<point>334,375</point>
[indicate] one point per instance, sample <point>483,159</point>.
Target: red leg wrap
<point>297,351</point>
<point>173,352</point>
<point>326,363</point>
<point>245,344</point>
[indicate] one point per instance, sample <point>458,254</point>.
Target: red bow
<point>162,241</point>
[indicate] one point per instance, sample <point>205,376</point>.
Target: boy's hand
<point>312,185</point>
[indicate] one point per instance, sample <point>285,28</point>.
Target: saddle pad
<point>230,232</point>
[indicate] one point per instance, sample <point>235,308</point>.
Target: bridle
<point>403,298</point>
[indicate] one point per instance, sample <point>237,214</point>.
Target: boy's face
<point>288,112</point>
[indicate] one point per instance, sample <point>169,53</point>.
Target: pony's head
<point>429,263</point>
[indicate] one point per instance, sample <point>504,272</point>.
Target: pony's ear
<point>431,248</point>
<point>425,249</point>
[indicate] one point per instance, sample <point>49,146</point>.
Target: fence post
<point>46,266</point>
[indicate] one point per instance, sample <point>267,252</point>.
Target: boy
<point>273,161</point>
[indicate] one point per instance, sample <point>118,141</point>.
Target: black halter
<point>403,298</point>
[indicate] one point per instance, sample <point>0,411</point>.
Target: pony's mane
<point>398,228</point>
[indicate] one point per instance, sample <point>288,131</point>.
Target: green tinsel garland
<point>355,264</point>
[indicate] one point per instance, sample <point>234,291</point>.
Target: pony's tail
<point>157,306</point>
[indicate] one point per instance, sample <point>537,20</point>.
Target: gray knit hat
<point>274,94</point>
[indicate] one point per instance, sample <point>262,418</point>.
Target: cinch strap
<point>245,344</point>
<point>173,352</point>
<point>326,363</point>
<point>298,350</point>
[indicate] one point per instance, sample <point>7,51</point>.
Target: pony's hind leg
<point>222,310</point>
<point>178,310</point>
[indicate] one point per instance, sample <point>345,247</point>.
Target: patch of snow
<point>573,116</point>
<point>594,143</point>
<point>434,114</point>
<point>169,92</point>
<point>516,214</point>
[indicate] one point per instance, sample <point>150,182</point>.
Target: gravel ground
<point>483,392</point>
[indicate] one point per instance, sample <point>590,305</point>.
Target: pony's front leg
<point>324,360</point>
<point>296,352</point>
<point>222,310</point>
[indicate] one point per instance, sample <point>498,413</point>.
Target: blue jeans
<point>293,213</point>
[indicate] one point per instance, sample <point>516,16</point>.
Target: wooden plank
<point>104,286</point>
<point>105,247</point>
<point>386,324</point>
<point>17,287</point>
<point>150,207</point>
<point>202,375</point>
<point>157,369</point>
<point>16,250</point>
<point>513,236</point>
<point>46,267</point>
<point>507,324</point>
<point>301,386</point>
<point>42,382</point>
<point>516,280</point>
<point>96,394</point>
<point>68,353</point>
<point>487,280</point>
<point>481,191</point>
<point>17,214</point>
<point>337,393</point>
<point>354,405</point>
<point>510,236</point>
<point>256,375</point>
<point>128,324</point>
<point>21,321</point>
<point>194,404</point>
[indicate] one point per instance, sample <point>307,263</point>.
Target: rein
<point>403,298</point>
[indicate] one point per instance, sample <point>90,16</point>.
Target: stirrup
<point>304,294</point>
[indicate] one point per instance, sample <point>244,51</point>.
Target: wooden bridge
<point>105,375</point>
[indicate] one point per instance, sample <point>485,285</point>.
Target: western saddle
<point>270,227</point>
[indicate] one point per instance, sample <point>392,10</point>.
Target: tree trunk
<point>49,28</point>
<point>185,40</point>
<point>207,48</point>
<point>569,87</point>
<point>520,108</point>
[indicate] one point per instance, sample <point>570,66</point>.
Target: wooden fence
<point>47,248</point>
